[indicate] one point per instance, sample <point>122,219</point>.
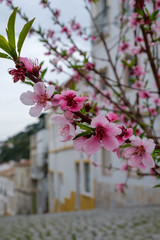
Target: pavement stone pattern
<point>134,223</point>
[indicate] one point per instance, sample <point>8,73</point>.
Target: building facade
<point>7,196</point>
<point>22,189</point>
<point>38,170</point>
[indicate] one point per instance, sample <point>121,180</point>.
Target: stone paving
<point>113,224</point>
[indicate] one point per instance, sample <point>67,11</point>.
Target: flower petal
<point>110,142</point>
<point>28,98</point>
<point>50,90</point>
<point>148,161</point>
<point>92,145</point>
<point>36,110</point>
<point>39,88</point>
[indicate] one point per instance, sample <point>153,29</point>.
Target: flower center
<point>100,131</point>
<point>140,151</point>
<point>71,101</point>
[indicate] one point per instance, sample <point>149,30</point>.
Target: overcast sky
<point>14,115</point>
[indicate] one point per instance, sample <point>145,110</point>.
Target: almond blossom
<point>125,134</point>
<point>105,134</point>
<point>69,101</point>
<point>31,66</point>
<point>41,98</point>
<point>67,130</point>
<point>139,155</point>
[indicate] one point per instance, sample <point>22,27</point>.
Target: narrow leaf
<point>11,29</point>
<point>3,55</point>
<point>44,72</point>
<point>23,34</point>
<point>4,45</point>
<point>84,127</point>
<point>83,134</point>
<point>156,186</point>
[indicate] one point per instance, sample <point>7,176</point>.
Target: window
<point>129,77</point>
<point>103,80</point>
<point>106,162</point>
<point>87,177</point>
<point>102,16</point>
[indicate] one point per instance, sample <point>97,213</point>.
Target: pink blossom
<point>67,130</point>
<point>57,13</point>
<point>138,71</point>
<point>50,33</point>
<point>158,4</point>
<point>41,97</point>
<point>94,164</point>
<point>139,39</point>
<point>133,21</point>
<point>44,3</point>
<point>120,187</point>
<point>68,100</point>
<point>125,134</point>
<point>105,134</point>
<point>76,76</point>
<point>18,73</point>
<point>152,111</point>
<point>66,30</point>
<point>156,100</point>
<point>139,155</point>
<point>93,38</point>
<point>111,117</point>
<point>124,47</point>
<point>89,66</point>
<point>144,94</point>
<point>8,2</point>
<point>72,50</point>
<point>75,26</point>
<point>31,66</point>
<point>124,167</point>
<point>139,84</point>
<point>136,50</point>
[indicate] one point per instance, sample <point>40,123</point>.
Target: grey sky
<point>14,115</point>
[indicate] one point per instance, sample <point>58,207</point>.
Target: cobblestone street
<point>113,224</point>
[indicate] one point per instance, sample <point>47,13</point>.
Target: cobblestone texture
<point>113,224</point>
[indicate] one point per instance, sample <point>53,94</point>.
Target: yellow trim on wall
<point>87,202</point>
<point>86,161</point>
<point>77,161</point>
<point>56,204</point>
<point>69,204</point>
<point>61,149</point>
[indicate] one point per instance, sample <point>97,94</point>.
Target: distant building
<point>23,188</point>
<point>7,197</point>
<point>38,169</point>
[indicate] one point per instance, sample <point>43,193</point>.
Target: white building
<point>38,170</point>
<point>7,196</point>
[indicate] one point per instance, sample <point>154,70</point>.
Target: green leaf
<point>140,12</point>
<point>84,127</point>
<point>44,72</point>
<point>3,55</point>
<point>73,86</point>
<point>126,145</point>
<point>142,135</point>
<point>83,134</point>
<point>157,186</point>
<point>11,29</point>
<point>154,15</point>
<point>23,34</point>
<point>4,45</point>
<point>135,130</point>
<point>77,66</point>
